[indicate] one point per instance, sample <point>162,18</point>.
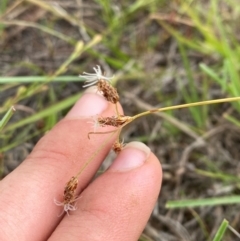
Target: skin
<point>114,206</point>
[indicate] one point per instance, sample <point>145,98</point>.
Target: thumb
<point>117,205</point>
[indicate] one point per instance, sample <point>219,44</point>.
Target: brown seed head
<point>69,191</point>
<point>115,121</point>
<point>117,147</point>
<point>108,91</point>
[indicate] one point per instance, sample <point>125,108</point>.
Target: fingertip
<point>139,146</point>
<point>89,104</point>
<point>132,156</point>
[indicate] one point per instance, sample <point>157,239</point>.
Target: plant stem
<point>207,102</point>
<point>96,152</point>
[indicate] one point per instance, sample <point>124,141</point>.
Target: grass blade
<point>31,79</point>
<point>46,112</point>
<point>6,117</point>
<point>221,231</point>
<point>203,202</point>
<point>42,28</point>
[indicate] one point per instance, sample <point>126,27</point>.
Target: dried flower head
<point>118,146</point>
<point>69,196</point>
<point>103,85</point>
<point>115,121</point>
<point>92,79</point>
<point>108,91</point>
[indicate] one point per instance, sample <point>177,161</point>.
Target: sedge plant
<point>118,121</point>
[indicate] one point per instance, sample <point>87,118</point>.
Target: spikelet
<point>115,121</point>
<point>117,147</point>
<point>69,196</point>
<point>108,91</point>
<point>103,84</point>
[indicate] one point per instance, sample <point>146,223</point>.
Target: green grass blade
<point>59,12</point>
<point>203,202</point>
<point>192,96</point>
<point>210,72</point>
<point>232,120</point>
<point>221,231</point>
<point>42,28</point>
<point>3,5</point>
<point>46,112</point>
<point>18,142</point>
<point>192,43</point>
<point>218,175</point>
<point>30,79</point>
<point>233,74</point>
<point>6,117</point>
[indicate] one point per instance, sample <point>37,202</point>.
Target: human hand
<point>115,206</point>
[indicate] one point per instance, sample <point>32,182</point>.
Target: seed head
<point>118,146</point>
<point>108,91</point>
<point>69,196</point>
<point>115,121</point>
<point>103,85</point>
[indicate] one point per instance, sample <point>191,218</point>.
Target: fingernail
<point>90,104</point>
<point>132,156</point>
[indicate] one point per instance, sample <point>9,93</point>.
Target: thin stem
<point>96,152</point>
<point>207,102</point>
<point>117,110</point>
<point>101,132</point>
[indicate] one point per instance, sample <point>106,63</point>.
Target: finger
<point>117,205</point>
<point>27,194</point>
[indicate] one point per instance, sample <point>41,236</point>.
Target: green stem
<point>174,107</point>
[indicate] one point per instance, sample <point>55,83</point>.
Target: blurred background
<point>161,53</point>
